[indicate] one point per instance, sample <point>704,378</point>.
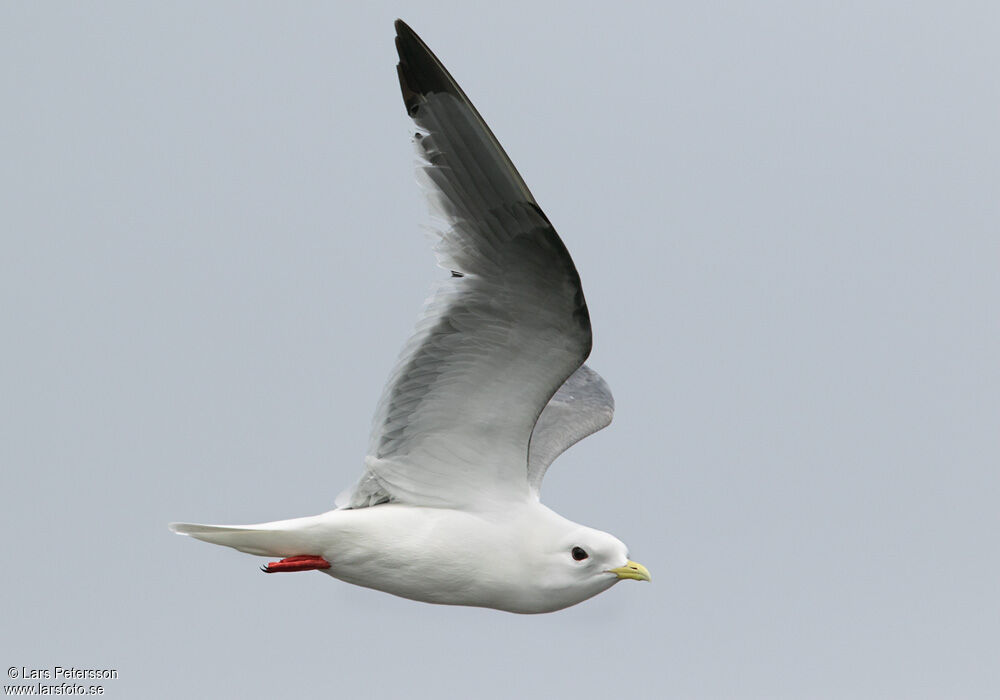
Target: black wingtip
<point>401,26</point>
<point>420,72</point>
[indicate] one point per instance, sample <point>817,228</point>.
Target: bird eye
<point>579,553</point>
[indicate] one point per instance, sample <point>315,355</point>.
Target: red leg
<point>306,562</point>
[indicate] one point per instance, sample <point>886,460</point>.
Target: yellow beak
<point>632,569</point>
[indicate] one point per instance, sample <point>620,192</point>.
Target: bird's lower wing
<point>582,406</point>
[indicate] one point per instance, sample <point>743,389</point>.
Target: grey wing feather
<point>582,406</point>
<point>496,339</point>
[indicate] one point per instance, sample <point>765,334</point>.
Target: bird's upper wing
<point>582,406</point>
<point>496,340</point>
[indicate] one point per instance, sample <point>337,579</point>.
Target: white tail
<point>283,538</point>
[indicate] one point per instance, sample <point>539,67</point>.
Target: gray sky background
<point>785,216</point>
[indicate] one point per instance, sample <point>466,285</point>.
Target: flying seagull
<point>491,388</point>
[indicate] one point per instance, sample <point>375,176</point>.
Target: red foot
<point>307,562</point>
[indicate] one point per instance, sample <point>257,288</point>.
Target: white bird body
<point>490,389</point>
<point>442,555</point>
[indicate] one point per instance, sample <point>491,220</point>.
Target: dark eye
<point>579,553</point>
